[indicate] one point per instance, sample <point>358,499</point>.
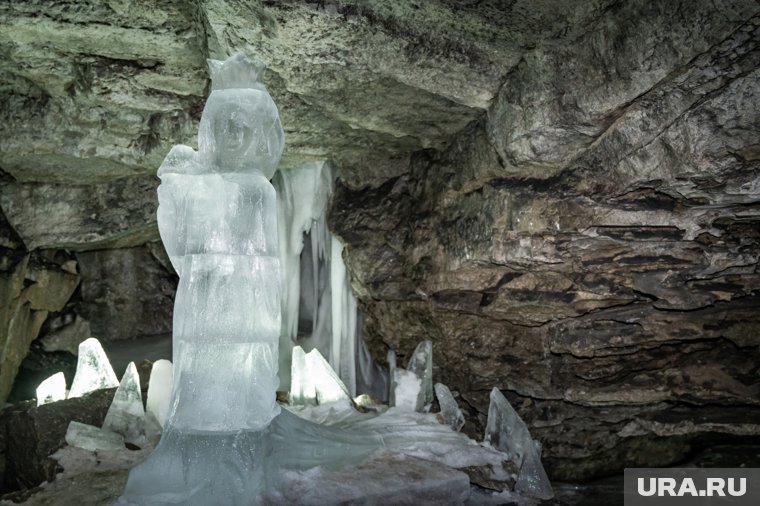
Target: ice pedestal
<point>507,432</point>
<point>197,468</point>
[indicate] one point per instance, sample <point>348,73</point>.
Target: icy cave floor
<point>99,479</point>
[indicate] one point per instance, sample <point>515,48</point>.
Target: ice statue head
<point>240,128</point>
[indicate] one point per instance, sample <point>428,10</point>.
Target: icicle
<point>337,281</point>
<point>392,377</point>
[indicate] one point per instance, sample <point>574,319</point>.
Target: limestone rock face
<point>591,248</point>
<point>31,285</point>
<point>125,293</point>
<point>115,214</point>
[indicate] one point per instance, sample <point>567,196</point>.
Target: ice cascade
<point>319,310</point>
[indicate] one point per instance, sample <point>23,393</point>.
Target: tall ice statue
<point>217,217</point>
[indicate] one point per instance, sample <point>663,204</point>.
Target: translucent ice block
<point>52,389</point>
<point>92,438</point>
<point>452,415</point>
<point>507,432</point>
<point>126,415</point>
<point>94,371</point>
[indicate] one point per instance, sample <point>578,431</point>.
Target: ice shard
<point>413,386</point>
<point>421,364</point>
<point>159,391</point>
<point>126,415</point>
<point>217,217</point>
<point>52,389</point>
<point>452,415</point>
<point>93,438</point>
<point>507,432</point>
<point>314,381</point>
<point>94,370</point>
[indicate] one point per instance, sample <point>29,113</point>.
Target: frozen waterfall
<point>319,310</point>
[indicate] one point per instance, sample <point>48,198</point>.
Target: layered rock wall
<point>592,246</point>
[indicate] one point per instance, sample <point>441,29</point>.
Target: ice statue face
<point>233,132</point>
<point>240,131</point>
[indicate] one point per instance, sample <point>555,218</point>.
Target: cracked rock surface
<point>591,247</point>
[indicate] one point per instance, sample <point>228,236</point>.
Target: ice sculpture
<point>94,370</point>
<point>159,392</point>
<point>217,217</point>
<point>452,415</point>
<point>52,389</point>
<point>506,432</point>
<point>126,415</point>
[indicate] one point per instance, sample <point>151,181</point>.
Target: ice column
<point>217,217</point>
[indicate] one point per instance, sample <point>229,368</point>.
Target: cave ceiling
<point>96,91</point>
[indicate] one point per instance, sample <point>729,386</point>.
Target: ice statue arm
<point>181,161</point>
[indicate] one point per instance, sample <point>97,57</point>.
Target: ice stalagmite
<point>126,415</point>
<point>159,391</point>
<point>507,432</point>
<point>217,217</point>
<point>94,371</point>
<point>52,389</point>
<point>452,415</point>
<point>314,381</point>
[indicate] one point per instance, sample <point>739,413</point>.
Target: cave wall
<point>591,246</point>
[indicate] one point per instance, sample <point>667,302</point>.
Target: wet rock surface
<point>30,434</point>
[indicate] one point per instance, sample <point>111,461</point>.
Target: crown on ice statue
<point>237,71</point>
